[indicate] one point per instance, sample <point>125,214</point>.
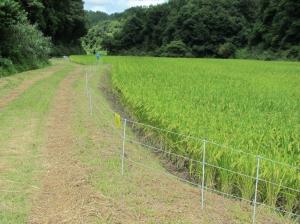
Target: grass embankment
<point>22,124</point>
<point>11,69</point>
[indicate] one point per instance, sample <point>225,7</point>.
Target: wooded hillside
<point>263,29</point>
<point>31,30</point>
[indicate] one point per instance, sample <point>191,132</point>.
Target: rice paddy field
<point>243,108</point>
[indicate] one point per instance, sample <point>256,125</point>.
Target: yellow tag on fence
<point>117,120</point>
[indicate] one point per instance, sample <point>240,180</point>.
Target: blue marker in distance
<point>97,56</point>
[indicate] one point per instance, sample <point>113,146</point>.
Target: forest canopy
<point>263,29</point>
<point>32,30</point>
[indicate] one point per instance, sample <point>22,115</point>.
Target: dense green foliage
<point>266,29</point>
<point>92,42</point>
<point>93,18</point>
<point>32,30</point>
<point>102,27</point>
<point>278,27</point>
<point>63,21</point>
<point>252,106</point>
<point>22,45</point>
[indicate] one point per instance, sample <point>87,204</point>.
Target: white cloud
<point>131,3</point>
<point>110,6</point>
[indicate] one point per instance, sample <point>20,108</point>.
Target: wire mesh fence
<point>204,165</point>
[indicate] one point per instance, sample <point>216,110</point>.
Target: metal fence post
<point>91,103</point>
<point>123,147</point>
<point>256,189</point>
<point>203,174</point>
<point>86,83</point>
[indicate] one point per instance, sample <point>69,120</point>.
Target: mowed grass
<point>9,83</point>
<point>84,60</point>
<point>22,135</point>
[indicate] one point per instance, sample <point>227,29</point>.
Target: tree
<point>22,46</point>
<point>93,18</point>
<point>92,42</point>
<point>25,45</point>
<point>226,50</point>
<point>278,25</point>
<point>63,21</point>
<point>131,33</point>
<point>210,28</point>
<point>10,14</point>
<point>200,25</point>
<point>34,9</point>
<point>176,49</point>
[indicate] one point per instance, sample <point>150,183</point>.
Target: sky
<point>111,6</point>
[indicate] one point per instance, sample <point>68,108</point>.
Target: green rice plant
<point>249,105</point>
<point>245,184</point>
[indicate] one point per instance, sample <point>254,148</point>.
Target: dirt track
<point>65,195</point>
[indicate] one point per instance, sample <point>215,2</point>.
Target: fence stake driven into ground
<point>91,103</point>
<point>255,192</point>
<point>203,174</point>
<point>123,145</point>
<point>86,83</point>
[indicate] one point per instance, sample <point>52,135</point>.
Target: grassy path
<point>59,164</point>
<point>65,195</point>
<point>13,86</point>
<point>22,128</point>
